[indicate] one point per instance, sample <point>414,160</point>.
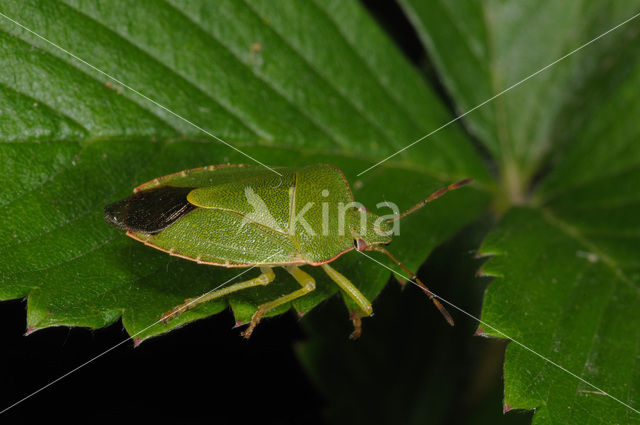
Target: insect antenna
<point>415,279</point>
<point>435,195</point>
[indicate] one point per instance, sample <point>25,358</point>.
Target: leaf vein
<point>575,234</point>
<point>381,130</point>
<point>154,110</point>
<point>263,78</point>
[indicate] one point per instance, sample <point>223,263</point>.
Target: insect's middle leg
<point>265,278</point>
<point>308,284</point>
<point>355,295</point>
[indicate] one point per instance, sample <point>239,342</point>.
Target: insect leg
<point>417,281</point>
<point>308,284</point>
<point>356,295</point>
<point>265,278</point>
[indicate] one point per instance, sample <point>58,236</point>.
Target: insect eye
<point>360,244</point>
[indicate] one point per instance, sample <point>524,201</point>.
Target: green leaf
<point>573,294</point>
<point>567,260</point>
<point>573,301</point>
<point>71,141</point>
<point>294,83</point>
<point>482,49</point>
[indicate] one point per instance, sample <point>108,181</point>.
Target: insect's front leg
<point>355,295</point>
<point>308,284</point>
<point>265,278</point>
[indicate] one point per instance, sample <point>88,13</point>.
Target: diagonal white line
<point>503,334</point>
<point>208,133</point>
<point>126,340</point>
<point>502,92</point>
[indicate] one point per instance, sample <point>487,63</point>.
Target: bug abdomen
<point>222,237</point>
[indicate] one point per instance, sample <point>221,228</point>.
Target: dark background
<point>417,368</point>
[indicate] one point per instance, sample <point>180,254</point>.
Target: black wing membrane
<point>150,211</point>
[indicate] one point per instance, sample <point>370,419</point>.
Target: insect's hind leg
<point>265,278</point>
<point>355,295</point>
<point>308,284</point>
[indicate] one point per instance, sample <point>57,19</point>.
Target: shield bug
<point>247,216</point>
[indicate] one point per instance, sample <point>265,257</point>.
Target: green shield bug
<point>246,216</point>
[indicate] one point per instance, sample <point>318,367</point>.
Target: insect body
<point>247,216</point>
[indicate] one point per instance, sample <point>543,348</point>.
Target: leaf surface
<point>72,140</point>
<point>504,51</point>
<point>566,259</point>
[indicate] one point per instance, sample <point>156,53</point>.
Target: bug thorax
<point>367,228</point>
